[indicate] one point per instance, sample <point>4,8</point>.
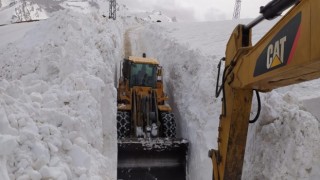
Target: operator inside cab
<point>143,75</point>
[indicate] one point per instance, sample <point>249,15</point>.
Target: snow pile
<point>284,142</point>
<point>4,3</point>
<point>57,99</point>
<point>12,11</point>
<point>145,17</point>
<point>18,11</point>
<point>157,16</point>
<point>86,6</point>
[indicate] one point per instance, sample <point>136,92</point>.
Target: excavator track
<point>152,159</point>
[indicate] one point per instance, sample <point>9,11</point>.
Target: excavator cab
<point>147,143</point>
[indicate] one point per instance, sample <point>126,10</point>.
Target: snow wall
<point>283,144</point>
<point>58,99</point>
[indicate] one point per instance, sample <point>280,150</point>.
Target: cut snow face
<point>57,98</point>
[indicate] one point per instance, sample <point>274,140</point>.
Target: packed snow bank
<point>57,99</point>
<point>284,142</point>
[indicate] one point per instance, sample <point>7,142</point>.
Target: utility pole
<point>112,9</point>
<point>237,9</point>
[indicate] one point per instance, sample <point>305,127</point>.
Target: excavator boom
<point>288,54</point>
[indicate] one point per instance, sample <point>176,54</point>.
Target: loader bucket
<point>152,159</point>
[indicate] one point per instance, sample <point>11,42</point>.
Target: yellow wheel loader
<point>288,54</point>
<point>147,143</point>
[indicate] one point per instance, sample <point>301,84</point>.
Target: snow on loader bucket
<point>152,159</point>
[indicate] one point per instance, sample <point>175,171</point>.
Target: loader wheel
<point>168,124</point>
<point>123,124</point>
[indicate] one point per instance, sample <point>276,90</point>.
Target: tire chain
<point>123,124</point>
<point>169,125</point>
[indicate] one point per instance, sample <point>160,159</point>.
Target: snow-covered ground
<point>58,96</point>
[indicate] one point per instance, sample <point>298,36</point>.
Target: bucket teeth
<point>160,159</point>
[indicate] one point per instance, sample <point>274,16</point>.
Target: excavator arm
<point>288,54</point>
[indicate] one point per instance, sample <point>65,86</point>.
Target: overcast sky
<point>198,10</point>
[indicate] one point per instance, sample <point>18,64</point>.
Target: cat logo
<point>280,49</point>
<point>275,53</point>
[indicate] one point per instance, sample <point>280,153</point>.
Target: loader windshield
<point>143,75</point>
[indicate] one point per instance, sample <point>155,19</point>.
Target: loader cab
<point>140,71</point>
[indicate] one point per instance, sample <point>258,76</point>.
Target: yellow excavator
<point>288,54</point>
<point>147,145</point>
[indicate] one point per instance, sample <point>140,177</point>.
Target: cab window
<point>143,75</point>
